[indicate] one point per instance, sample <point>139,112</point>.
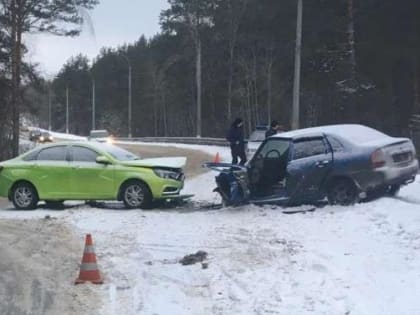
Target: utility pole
<point>49,106</point>
<point>129,93</point>
<point>93,103</point>
<point>67,109</point>
<point>129,99</point>
<point>296,84</point>
<point>198,78</point>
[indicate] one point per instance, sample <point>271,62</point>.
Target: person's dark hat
<point>237,122</point>
<point>274,123</point>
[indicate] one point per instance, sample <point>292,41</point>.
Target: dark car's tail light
<point>378,159</point>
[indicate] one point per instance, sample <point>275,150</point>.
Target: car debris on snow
<point>191,259</point>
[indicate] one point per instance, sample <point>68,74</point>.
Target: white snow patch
<point>224,152</point>
<point>65,136</point>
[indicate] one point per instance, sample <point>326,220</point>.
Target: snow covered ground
<point>363,259</point>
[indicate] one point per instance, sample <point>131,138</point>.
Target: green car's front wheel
<point>24,196</point>
<point>136,194</point>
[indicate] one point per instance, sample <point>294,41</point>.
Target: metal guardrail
<point>184,140</point>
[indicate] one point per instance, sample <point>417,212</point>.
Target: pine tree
<point>17,17</point>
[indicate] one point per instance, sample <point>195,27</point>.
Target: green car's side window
<point>58,153</point>
<point>31,156</point>
<point>82,154</point>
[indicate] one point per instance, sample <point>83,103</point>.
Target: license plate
<point>401,157</point>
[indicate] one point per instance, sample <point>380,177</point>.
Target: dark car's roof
<point>356,134</point>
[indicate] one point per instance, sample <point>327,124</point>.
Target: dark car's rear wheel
<point>393,190</point>
<point>136,194</point>
<point>24,196</point>
<point>342,192</point>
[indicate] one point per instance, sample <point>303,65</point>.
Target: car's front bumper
<point>167,189</point>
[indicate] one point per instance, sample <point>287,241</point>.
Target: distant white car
<point>255,139</point>
<point>100,136</point>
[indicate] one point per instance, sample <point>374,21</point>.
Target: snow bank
<point>224,152</point>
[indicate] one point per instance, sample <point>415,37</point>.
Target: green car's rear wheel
<point>136,194</point>
<point>24,196</point>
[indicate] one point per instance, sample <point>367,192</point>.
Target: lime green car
<point>89,171</point>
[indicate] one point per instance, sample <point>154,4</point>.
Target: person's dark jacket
<point>270,132</point>
<point>235,136</point>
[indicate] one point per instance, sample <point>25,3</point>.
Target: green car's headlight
<point>167,174</point>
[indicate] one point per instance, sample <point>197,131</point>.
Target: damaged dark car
<point>340,163</point>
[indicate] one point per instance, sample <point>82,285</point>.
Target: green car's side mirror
<point>103,160</point>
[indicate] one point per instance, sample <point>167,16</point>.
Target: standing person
<point>274,127</point>
<point>235,137</point>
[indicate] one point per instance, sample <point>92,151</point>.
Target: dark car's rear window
<point>336,145</point>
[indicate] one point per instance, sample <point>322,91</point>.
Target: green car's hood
<point>171,162</point>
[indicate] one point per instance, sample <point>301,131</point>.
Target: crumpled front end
<point>232,182</point>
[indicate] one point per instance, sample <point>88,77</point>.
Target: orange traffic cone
<point>217,158</point>
<point>89,270</point>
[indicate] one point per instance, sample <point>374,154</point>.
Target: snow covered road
<point>363,259</point>
<point>355,260</point>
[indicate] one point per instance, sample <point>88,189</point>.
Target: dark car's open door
<point>268,166</point>
<point>311,162</point>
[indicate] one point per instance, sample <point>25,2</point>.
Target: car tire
<point>343,192</point>
<point>393,190</point>
<point>24,196</point>
<point>136,194</point>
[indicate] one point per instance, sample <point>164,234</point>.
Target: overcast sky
<point>115,22</point>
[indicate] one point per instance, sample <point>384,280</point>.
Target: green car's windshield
<point>119,154</point>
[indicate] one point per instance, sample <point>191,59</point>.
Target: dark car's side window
<point>307,148</point>
<point>53,154</point>
<point>82,154</point>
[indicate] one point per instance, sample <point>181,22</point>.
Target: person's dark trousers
<point>238,151</point>
<point>243,158</point>
<point>234,152</point>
